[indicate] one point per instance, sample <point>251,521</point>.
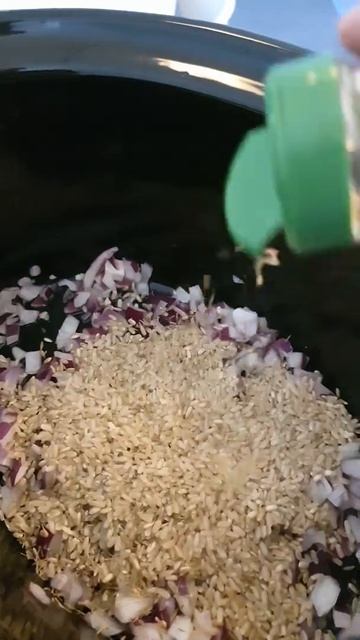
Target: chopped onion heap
<point>113,289</point>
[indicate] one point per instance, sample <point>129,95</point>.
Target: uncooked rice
<point>167,464</point>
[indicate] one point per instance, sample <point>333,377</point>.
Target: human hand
<point>349,29</point>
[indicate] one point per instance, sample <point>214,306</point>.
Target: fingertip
<point>349,30</point>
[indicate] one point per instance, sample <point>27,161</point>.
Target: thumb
<point>349,29</point>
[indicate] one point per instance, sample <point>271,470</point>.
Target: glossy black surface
<point>202,57</point>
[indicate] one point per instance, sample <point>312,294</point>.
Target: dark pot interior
<point>88,163</point>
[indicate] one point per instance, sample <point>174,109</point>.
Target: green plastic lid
<point>294,174</point>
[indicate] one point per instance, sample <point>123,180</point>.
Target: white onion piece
<point>341,620</point>
<point>10,499</point>
<point>351,467</point>
<point>249,361</point>
<point>353,631</point>
<point>32,362</point>
<point>203,622</point>
<point>324,595</point>
<point>149,631</point>
<point>25,281</point>
<point>81,298</point>
<point>354,525</point>
<point>128,608</point>
<point>59,581</point>
<point>35,271</point>
<point>130,273</point>
<point>182,295</point>
<point>271,358</point>
<point>103,624</point>
<point>96,266</point>
<point>354,487</point>
<point>29,292</point>
<point>113,274</point>
<point>350,450</point>
<point>320,490</point>
<point>7,297</point>
<point>339,496</point>
<point>185,604</point>
<point>294,359</point>
<point>237,280</point>
<point>196,297</point>
<point>312,537</point>
<point>39,594</point>
<point>55,543</point>
<point>66,332</point>
<point>69,587</point>
<point>69,284</point>
<point>18,354</point>
<point>246,323</point>
<point>181,628</point>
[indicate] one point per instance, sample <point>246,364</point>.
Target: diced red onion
<point>129,608</point>
<point>32,362</point>
<point>45,373</point>
<point>38,303</point>
<point>282,346</point>
<point>113,275</point>
<point>17,472</point>
<point>6,433</point>
<point>324,595</point>
<point>105,318</point>
<point>196,297</point>
<point>167,610</point>
<point>12,375</point>
<point>96,266</point>
<point>48,545</point>
<point>39,594</point>
<point>134,314</point>
<point>182,585</point>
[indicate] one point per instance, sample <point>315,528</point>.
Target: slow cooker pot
<point>118,129</point>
